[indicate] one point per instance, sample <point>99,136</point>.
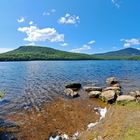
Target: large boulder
<point>116,89</point>
<point>69,92</point>
<point>111,88</point>
<point>111,81</point>
<point>109,96</point>
<point>135,93</point>
<point>73,86</point>
<point>125,98</point>
<point>116,85</point>
<point>92,88</point>
<point>94,94</point>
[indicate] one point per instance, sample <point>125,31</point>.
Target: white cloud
<point>130,42</point>
<point>85,47</point>
<point>48,13</point>
<point>31,23</point>
<point>21,19</point>
<point>116,3</point>
<point>3,50</point>
<point>64,44</point>
<point>69,19</point>
<point>31,44</point>
<point>91,42</point>
<point>35,34</point>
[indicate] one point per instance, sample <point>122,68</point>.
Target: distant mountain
<point>41,53</point>
<point>27,53</point>
<point>128,53</point>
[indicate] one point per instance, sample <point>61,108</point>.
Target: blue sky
<point>89,26</point>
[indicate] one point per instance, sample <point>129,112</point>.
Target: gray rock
<point>109,96</point>
<point>117,85</point>
<point>111,88</point>
<point>135,93</point>
<point>92,88</point>
<point>69,92</point>
<point>125,98</point>
<point>138,99</point>
<point>74,86</point>
<point>94,94</point>
<point>116,89</point>
<point>111,81</point>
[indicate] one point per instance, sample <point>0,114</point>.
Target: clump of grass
<point>133,104</point>
<point>132,134</point>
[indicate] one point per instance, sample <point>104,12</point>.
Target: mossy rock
<point>2,94</point>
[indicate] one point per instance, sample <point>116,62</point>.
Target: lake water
<point>34,82</point>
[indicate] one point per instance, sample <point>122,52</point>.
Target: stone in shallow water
<point>7,124</point>
<point>69,92</point>
<point>7,136</point>
<point>74,86</point>
<point>2,94</point>
<point>94,94</point>
<point>111,81</point>
<point>92,88</point>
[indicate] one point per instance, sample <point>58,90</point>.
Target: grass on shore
<point>121,123</point>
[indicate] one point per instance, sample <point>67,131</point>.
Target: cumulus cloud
<point>64,44</point>
<point>130,42</point>
<point>48,13</point>
<point>21,19</point>
<point>35,34</point>
<point>85,47</point>
<point>116,3</point>
<point>69,19</point>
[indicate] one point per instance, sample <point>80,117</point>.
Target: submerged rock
<point>2,94</point>
<point>7,136</point>
<point>74,86</point>
<point>125,98</point>
<point>92,88</point>
<point>7,124</point>
<point>111,81</point>
<point>94,94</point>
<point>69,92</point>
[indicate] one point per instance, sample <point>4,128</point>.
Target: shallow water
<point>28,84</point>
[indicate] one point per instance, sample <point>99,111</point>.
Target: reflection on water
<point>30,84</point>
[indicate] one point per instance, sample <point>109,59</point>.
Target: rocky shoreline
<point>67,118</point>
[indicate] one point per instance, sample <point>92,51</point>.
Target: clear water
<point>35,82</point>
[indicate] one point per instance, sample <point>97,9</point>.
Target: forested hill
<point>26,53</point>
